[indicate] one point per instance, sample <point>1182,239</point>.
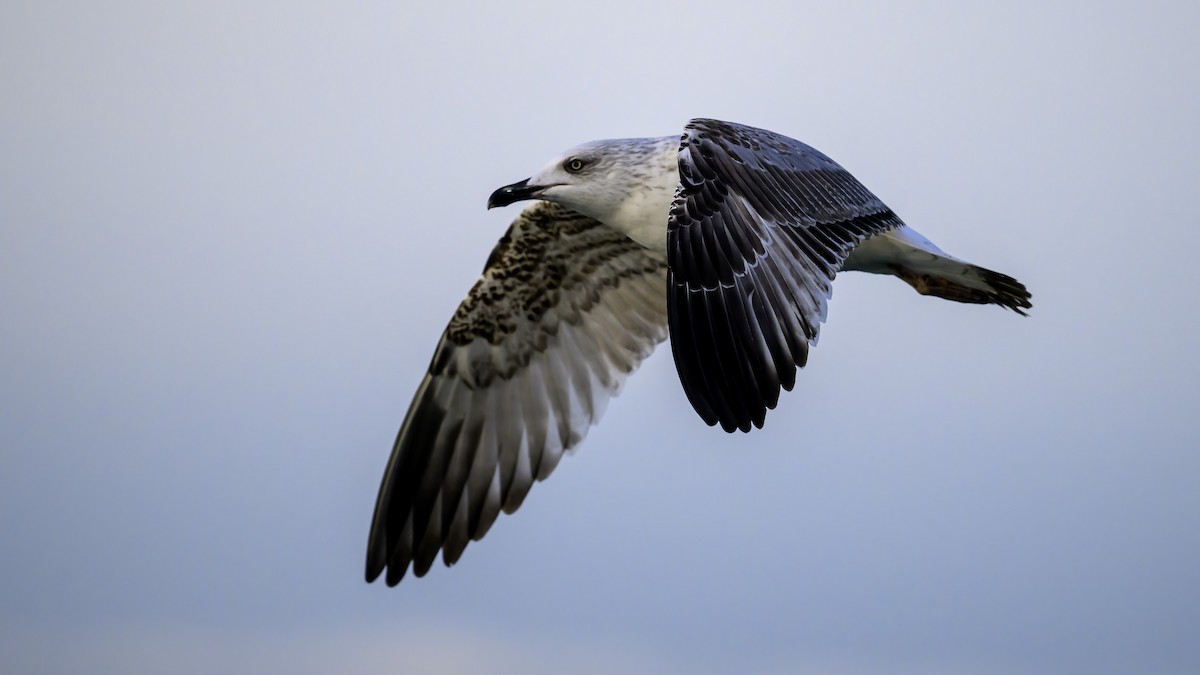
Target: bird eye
<point>574,165</point>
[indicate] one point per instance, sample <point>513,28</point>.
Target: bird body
<point>727,238</point>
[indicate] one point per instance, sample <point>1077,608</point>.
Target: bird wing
<point>565,309</point>
<point>759,227</point>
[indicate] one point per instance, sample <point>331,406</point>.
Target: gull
<point>726,239</point>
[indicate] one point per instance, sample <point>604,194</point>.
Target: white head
<point>625,183</point>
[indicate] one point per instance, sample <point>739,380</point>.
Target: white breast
<point>642,217</point>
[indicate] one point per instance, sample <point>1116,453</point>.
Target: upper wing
<point>565,310</point>
<point>760,225</point>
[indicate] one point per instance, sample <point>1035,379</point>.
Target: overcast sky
<point>231,233</point>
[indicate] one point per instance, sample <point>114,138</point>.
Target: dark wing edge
<point>760,225</point>
<point>565,310</point>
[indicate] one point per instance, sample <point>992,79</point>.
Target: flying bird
<point>726,238</point>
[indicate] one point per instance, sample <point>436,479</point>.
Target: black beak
<point>516,192</point>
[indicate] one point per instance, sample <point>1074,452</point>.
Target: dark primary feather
<point>565,310</point>
<point>760,225</point>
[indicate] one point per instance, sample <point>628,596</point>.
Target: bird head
<point>598,178</point>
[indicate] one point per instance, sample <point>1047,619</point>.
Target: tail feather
<point>905,253</point>
<point>969,283</point>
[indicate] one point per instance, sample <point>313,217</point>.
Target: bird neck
<point>642,212</point>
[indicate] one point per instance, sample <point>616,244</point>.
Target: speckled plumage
<point>549,250</point>
<point>565,309</point>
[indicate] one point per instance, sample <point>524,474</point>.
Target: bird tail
<point>903,252</point>
<point>960,281</point>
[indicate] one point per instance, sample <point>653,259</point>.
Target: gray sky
<point>231,233</point>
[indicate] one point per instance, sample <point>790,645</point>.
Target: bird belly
<point>901,247</point>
